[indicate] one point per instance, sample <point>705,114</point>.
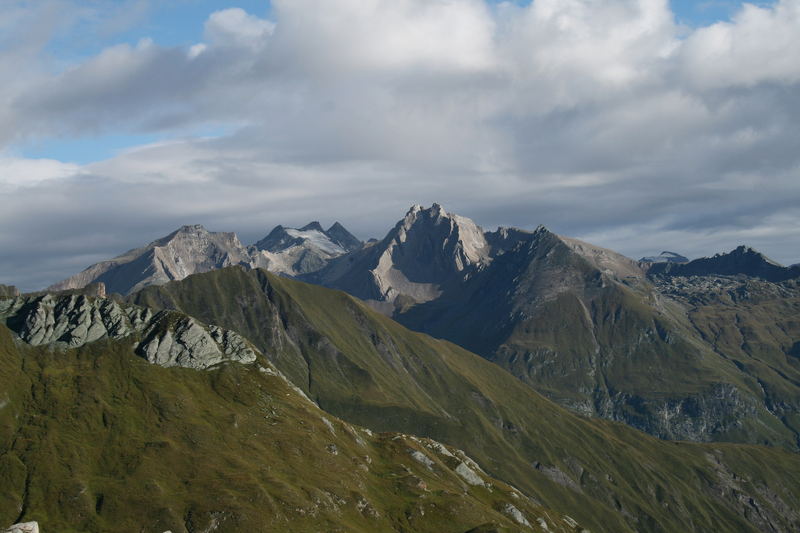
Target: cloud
<point>603,120</point>
<point>758,46</point>
<point>18,172</point>
<point>234,27</point>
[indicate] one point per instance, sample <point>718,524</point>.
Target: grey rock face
<point>187,343</point>
<point>67,321</point>
<point>719,409</point>
<point>516,514</point>
<point>426,250</point>
<point>167,338</point>
<point>469,475</point>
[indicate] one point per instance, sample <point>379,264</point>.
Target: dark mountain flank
<point>366,369</point>
<point>741,261</point>
<point>583,325</point>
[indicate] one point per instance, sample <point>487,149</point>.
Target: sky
<point>639,125</point>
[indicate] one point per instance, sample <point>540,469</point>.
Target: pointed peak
<point>743,250</point>
<point>339,234</point>
<point>438,210</point>
<point>311,226</point>
<point>413,210</point>
<point>277,230</point>
<point>434,211</point>
<point>740,250</point>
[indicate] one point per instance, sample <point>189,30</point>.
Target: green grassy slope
<point>758,332</point>
<point>368,369</point>
<point>98,440</point>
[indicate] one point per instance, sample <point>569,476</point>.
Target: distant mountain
<point>743,260</point>
<point>578,322</point>
<point>193,249</point>
<point>188,250</point>
<point>293,251</point>
<point>665,257</point>
<point>582,324</point>
<point>427,251</point>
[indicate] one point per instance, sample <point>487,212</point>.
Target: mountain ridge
<point>94,439</point>
<point>365,368</point>
<point>742,260</point>
<point>192,248</point>
<point>594,330</point>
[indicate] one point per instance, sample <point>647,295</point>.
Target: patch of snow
<point>317,239</point>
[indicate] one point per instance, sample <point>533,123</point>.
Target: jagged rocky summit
<point>293,251</point>
<point>426,251</point>
<point>431,254</point>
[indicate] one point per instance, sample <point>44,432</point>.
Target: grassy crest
<point>98,440</point>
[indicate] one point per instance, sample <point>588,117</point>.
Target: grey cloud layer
<point>601,119</point>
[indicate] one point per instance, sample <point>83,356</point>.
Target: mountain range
<point>99,436</point>
<point>194,249</point>
<point>591,329</point>
<point>705,350</point>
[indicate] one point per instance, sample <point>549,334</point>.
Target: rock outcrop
<point>166,338</point>
<point>189,344</point>
<point>24,527</point>
<point>8,291</point>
